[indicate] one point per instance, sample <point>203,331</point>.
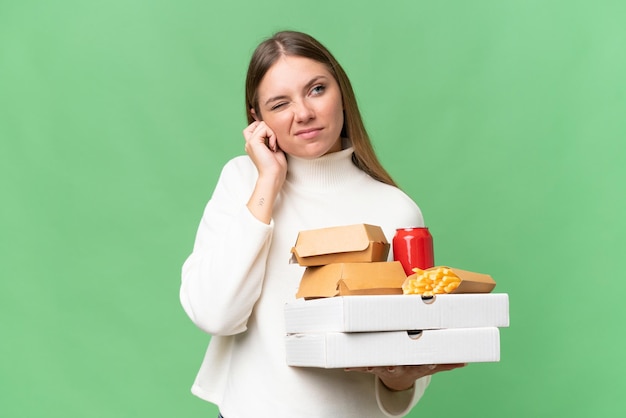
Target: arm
<point>223,276</point>
<point>399,388</point>
<point>271,163</point>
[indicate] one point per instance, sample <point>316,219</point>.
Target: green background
<point>503,119</point>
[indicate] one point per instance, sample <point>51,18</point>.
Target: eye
<point>278,106</point>
<point>318,89</point>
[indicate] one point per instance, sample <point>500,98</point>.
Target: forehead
<point>291,73</point>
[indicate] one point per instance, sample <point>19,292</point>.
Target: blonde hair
<point>302,45</point>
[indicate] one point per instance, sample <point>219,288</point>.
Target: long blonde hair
<point>302,45</point>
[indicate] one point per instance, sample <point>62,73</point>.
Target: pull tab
<point>414,334</point>
<point>428,299</point>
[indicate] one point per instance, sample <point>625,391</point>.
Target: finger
<point>249,130</point>
<point>359,369</point>
<point>264,134</point>
<point>437,368</point>
<point>273,142</point>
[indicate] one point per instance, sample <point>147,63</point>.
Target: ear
<point>254,115</point>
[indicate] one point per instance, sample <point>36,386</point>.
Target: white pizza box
<point>397,312</point>
<point>393,348</point>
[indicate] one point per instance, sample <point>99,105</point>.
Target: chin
<point>306,156</point>
<point>311,151</point>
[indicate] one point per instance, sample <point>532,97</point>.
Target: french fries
<point>431,282</point>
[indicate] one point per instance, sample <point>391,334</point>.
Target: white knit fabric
<point>238,278</point>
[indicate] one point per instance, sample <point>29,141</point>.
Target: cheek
<point>339,116</point>
<point>337,109</point>
<point>274,122</point>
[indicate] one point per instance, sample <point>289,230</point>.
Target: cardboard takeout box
<point>470,282</point>
<point>340,244</point>
<point>341,279</point>
<point>473,282</point>
<point>392,348</point>
<point>396,313</point>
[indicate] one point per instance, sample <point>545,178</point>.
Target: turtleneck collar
<point>327,171</point>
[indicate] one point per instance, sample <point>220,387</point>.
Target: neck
<point>328,171</point>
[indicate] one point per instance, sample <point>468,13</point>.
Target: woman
<point>309,164</point>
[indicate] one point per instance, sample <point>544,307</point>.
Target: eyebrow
<point>306,87</point>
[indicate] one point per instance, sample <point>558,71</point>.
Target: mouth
<point>308,133</point>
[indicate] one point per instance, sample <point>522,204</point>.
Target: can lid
<point>408,228</point>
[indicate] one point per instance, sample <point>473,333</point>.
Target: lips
<point>308,133</point>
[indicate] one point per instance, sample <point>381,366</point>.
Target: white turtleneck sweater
<point>238,278</point>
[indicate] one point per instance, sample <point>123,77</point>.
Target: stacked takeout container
<point>350,310</point>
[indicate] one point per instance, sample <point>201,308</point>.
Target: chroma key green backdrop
<point>505,120</point>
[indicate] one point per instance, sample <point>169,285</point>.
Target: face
<point>301,102</point>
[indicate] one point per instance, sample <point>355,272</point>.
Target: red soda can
<point>413,248</point>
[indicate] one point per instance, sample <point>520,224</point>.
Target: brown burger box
<point>356,243</point>
<point>343,279</point>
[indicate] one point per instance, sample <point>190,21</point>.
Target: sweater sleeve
<point>223,276</point>
<point>398,404</point>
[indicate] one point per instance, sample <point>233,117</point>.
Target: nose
<point>303,112</point>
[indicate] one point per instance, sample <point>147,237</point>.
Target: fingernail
<point>432,366</point>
